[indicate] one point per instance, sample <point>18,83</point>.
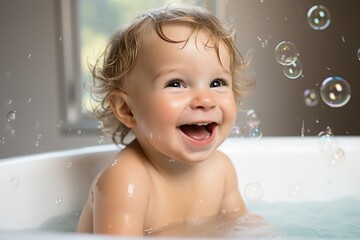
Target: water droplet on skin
<point>11,116</point>
<point>131,190</point>
<point>253,191</point>
<point>58,200</point>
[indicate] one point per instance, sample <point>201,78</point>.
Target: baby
<point>173,79</point>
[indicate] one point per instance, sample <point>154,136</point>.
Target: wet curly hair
<point>118,58</point>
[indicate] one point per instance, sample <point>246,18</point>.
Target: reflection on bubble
<point>293,70</point>
<point>311,97</point>
<point>2,140</point>
<point>296,190</point>
<point>11,116</point>
<point>318,17</point>
<point>255,133</point>
<point>253,191</point>
<point>335,91</point>
<point>286,53</point>
<point>358,54</point>
<point>252,118</point>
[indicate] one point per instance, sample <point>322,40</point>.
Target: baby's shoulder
<point>126,168</point>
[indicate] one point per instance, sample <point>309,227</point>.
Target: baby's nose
<point>203,99</point>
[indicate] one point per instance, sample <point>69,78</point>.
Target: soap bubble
<point>327,142</point>
<point>252,118</point>
<point>311,97</point>
<point>335,91</point>
<point>236,131</point>
<point>255,133</point>
<point>100,125</point>
<point>293,70</point>
<point>11,116</point>
<point>58,200</point>
<point>318,17</point>
<point>296,190</point>
<point>253,191</point>
<point>15,181</point>
<point>286,53</point>
<point>337,157</point>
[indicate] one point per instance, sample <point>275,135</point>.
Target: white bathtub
<point>40,187</point>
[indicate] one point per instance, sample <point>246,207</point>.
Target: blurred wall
<point>31,86</point>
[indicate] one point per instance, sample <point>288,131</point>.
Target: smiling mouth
<point>198,131</point>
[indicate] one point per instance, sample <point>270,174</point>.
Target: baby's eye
<point>176,83</point>
<point>218,83</point>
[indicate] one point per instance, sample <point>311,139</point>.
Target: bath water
<point>338,219</point>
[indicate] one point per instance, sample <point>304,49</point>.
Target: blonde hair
<point>118,59</point>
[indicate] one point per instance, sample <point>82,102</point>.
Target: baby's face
<point>181,95</point>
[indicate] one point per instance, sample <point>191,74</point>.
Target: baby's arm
<point>120,199</point>
<point>232,200</point>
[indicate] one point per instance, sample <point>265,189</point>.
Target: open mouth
<point>198,131</point>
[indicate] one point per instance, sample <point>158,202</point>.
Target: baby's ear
<point>121,109</point>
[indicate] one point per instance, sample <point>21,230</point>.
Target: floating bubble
<point>318,17</point>
<point>68,164</point>
<point>236,131</point>
<point>286,53</point>
<point>252,118</point>
<point>293,70</point>
<point>337,157</point>
<point>58,200</point>
<point>100,125</point>
<point>29,55</point>
<point>11,116</point>
<point>101,140</point>
<point>253,191</point>
<point>296,190</point>
<point>2,140</point>
<point>15,181</point>
<point>327,142</point>
<point>255,133</point>
<point>335,91</point>
<point>311,97</point>
<point>29,100</point>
